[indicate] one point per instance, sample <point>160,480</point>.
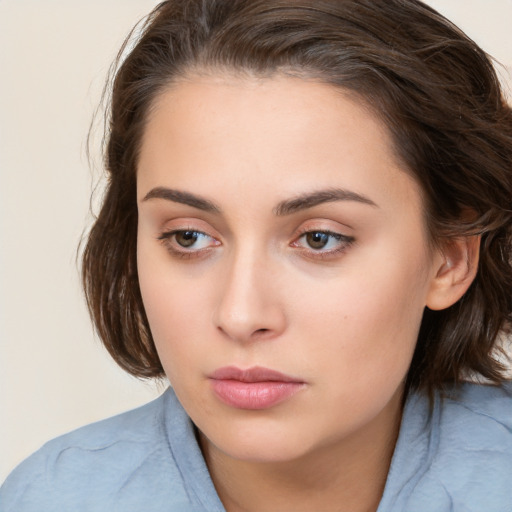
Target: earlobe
<point>455,270</point>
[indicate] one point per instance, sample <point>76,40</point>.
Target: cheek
<point>368,321</point>
<point>172,304</point>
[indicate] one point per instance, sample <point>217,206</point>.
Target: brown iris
<point>186,238</point>
<point>317,239</point>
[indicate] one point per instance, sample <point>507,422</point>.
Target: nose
<point>250,306</point>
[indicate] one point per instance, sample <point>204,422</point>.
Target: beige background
<point>54,375</point>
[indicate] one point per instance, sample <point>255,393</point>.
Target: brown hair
<point>434,88</point>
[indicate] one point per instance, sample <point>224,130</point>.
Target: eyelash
<point>168,240</point>
<point>344,242</point>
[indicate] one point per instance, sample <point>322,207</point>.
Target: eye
<point>323,242</point>
<point>189,238</point>
<point>187,242</point>
<point>318,239</point>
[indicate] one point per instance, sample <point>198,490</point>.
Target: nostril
<point>261,334</point>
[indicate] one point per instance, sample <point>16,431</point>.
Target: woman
<point>307,230</point>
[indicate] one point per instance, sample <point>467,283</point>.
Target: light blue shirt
<point>455,458</point>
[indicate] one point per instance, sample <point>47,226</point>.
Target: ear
<point>455,267</point>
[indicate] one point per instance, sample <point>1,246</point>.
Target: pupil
<point>186,238</point>
<point>317,240</point>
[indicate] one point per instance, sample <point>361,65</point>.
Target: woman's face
<point>283,262</point>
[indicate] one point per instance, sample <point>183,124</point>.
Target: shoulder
<point>99,466</point>
<point>473,460</point>
<point>492,402</point>
<point>464,457</point>
<point>476,422</point>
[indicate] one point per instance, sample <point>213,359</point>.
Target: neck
<point>348,475</point>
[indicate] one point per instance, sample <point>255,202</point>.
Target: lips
<point>253,389</point>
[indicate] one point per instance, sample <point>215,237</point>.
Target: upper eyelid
<point>339,236</point>
<point>187,225</point>
<point>327,231</point>
<point>321,223</point>
<point>310,226</point>
<point>173,231</point>
<point>170,232</point>
<point>165,233</point>
<point>320,227</point>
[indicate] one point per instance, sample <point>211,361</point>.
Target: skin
<point>253,291</point>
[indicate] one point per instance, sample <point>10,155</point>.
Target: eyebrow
<point>178,196</point>
<point>309,200</point>
<point>286,207</point>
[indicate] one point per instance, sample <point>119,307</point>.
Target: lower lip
<point>254,395</point>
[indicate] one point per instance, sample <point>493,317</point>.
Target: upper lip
<point>254,374</point>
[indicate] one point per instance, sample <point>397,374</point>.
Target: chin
<point>261,442</point>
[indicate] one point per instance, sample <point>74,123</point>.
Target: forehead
<point>229,133</point>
